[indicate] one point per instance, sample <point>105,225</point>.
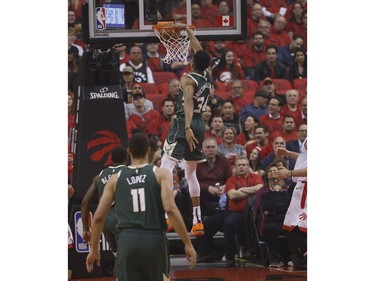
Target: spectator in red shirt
<point>303,30</point>
<point>291,107</point>
<point>273,120</point>
<point>154,58</point>
<point>142,116</point>
<point>254,18</point>
<point>224,8</point>
<point>198,18</point>
<point>238,96</point>
<point>295,22</point>
<point>288,131</point>
<point>262,144</point>
<point>302,116</point>
<point>210,11</point>
<point>273,8</point>
<point>160,126</point>
<point>254,55</point>
<point>264,26</point>
<point>217,126</point>
<point>238,187</point>
<point>227,69</point>
<point>278,35</point>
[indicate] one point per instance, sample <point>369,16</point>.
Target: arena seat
<point>149,89</point>
<point>163,76</point>
<point>164,88</point>
<point>300,84</point>
<point>157,100</point>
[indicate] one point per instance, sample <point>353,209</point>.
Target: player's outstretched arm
<point>194,43</point>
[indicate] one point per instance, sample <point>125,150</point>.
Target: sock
<point>196,214</point>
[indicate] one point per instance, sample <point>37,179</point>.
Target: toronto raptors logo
<point>101,145</point>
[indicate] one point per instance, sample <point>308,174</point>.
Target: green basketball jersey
<point>104,176</point>
<point>201,94</point>
<point>138,199</point>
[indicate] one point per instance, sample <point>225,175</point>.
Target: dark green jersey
<point>200,98</point>
<point>138,199</point>
<point>104,176</point>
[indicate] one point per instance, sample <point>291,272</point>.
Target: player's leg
<point>194,190</point>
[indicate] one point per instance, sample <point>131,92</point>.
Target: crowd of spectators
<point>243,125</point>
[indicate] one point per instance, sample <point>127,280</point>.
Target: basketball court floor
<point>244,271</point>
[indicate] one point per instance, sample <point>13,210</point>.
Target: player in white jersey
<point>296,217</point>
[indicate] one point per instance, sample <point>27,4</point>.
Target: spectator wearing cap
<point>127,80</point>
<point>129,107</point>
<point>142,73</point>
<point>142,115</point>
<point>258,108</point>
<point>269,86</point>
<point>270,67</point>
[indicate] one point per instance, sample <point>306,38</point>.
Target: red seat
<point>300,84</point>
<point>163,76</point>
<point>157,100</point>
<point>164,88</point>
<point>222,87</point>
<point>149,89</point>
<point>281,85</point>
<point>223,95</point>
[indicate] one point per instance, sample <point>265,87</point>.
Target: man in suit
<point>296,144</point>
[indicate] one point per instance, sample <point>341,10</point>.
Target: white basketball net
<point>176,42</point>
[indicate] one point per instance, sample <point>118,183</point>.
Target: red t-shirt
<point>160,127</point>
<point>235,182</point>
<point>143,122</point>
<point>273,125</point>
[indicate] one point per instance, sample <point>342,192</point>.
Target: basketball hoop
<point>175,40</point>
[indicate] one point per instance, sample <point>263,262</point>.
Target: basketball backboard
<point>128,21</point>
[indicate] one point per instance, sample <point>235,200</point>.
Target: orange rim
<point>165,26</point>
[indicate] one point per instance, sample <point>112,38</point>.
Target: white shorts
<point>297,211</point>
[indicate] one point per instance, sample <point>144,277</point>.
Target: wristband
<point>187,128</point>
<point>291,173</point>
